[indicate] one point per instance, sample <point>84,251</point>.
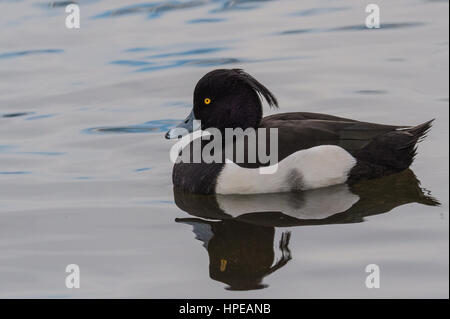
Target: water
<point>85,175</point>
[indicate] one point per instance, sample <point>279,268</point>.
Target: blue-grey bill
<point>189,125</point>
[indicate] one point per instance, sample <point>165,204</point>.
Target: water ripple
<point>155,10</point>
<point>12,149</point>
<point>16,54</point>
<point>156,126</point>
<point>317,11</point>
<point>195,62</point>
<point>152,9</point>
<point>130,62</point>
<point>159,61</point>
<point>184,53</point>
<point>143,169</point>
<point>65,3</point>
<point>209,20</point>
<point>43,153</point>
<point>57,4</point>
<point>15,173</point>
<point>361,27</point>
<point>240,5</point>
<point>39,117</point>
<point>17,114</point>
<point>138,49</point>
<point>371,92</point>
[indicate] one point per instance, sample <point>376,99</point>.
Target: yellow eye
<point>207,101</point>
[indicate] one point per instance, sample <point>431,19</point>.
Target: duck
<point>313,150</point>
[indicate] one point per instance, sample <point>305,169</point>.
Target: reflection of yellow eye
<point>207,101</point>
<point>223,265</point>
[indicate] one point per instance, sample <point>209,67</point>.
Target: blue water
<point>85,175</point>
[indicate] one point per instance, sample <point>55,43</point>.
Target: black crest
<point>257,87</point>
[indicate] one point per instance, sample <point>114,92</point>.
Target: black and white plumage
<point>314,150</point>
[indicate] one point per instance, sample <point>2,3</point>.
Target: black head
<point>230,98</point>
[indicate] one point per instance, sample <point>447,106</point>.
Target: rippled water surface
<point>85,176</point>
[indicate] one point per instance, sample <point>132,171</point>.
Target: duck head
<point>225,98</point>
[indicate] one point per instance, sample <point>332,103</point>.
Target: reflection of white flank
<point>319,166</point>
<point>313,204</point>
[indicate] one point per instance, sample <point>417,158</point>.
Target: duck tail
<point>420,131</point>
<point>416,134</point>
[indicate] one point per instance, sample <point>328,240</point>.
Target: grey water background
<point>85,175</point>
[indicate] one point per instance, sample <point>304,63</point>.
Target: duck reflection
<point>240,254</point>
<point>239,231</point>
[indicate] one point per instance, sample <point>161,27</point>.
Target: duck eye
<point>207,100</point>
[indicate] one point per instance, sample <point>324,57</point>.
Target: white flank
<point>316,167</point>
